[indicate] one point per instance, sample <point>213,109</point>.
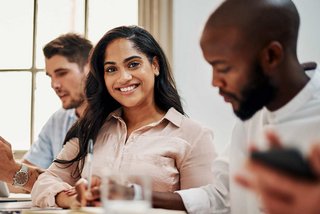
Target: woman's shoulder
<point>194,125</point>
<point>187,124</point>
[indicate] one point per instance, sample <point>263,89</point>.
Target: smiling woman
<point>136,120</point>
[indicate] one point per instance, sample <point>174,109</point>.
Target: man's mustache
<point>228,94</point>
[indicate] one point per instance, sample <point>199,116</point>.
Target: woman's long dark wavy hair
<point>101,103</point>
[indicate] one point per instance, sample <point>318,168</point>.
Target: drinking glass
<point>123,193</point>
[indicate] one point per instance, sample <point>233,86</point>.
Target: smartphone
<point>288,160</point>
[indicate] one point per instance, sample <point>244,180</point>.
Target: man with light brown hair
<point>67,65</point>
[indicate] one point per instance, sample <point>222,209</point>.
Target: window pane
<point>16,26</point>
<point>15,93</point>
<point>46,102</point>
<point>56,17</point>
<point>107,14</point>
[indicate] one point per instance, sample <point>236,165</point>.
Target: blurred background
<point>26,26</point>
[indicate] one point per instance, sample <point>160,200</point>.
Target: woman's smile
<point>128,89</point>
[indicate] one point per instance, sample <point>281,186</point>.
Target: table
<point>25,207</point>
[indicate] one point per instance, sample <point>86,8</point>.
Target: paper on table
<point>24,207</point>
<point>15,205</point>
<point>164,211</point>
<point>91,210</point>
<point>84,210</point>
<point>46,211</point>
<point>16,197</point>
<point>87,210</point>
<point>99,210</point>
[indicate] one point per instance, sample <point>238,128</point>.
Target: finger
<point>95,181</point>
<point>81,188</point>
<point>71,191</point>
<point>81,180</point>
<point>273,180</point>
<point>272,198</point>
<point>252,147</point>
<point>247,178</point>
<point>95,193</point>
<point>314,159</point>
<point>273,139</point>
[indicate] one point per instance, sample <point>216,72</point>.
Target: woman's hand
<point>66,200</point>
<point>86,198</point>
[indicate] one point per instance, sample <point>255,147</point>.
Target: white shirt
<point>298,125</point>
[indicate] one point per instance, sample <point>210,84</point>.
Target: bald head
<point>259,21</point>
<point>251,47</point>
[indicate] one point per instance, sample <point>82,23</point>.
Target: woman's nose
<point>125,76</point>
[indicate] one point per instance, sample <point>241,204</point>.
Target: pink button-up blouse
<point>176,152</point>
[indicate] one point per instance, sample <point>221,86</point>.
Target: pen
<point>90,156</point>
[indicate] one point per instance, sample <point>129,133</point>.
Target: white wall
<point>193,75</point>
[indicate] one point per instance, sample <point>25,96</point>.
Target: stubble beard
<point>259,92</point>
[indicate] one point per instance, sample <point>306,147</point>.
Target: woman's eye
<point>110,69</point>
<point>133,64</point>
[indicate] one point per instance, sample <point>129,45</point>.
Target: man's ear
<point>271,56</point>
<point>86,69</point>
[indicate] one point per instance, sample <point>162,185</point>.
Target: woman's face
<point>128,74</point>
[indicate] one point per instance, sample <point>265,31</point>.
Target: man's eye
<point>60,74</point>
<point>223,69</point>
<point>133,64</point>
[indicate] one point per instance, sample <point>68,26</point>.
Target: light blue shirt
<point>51,137</point>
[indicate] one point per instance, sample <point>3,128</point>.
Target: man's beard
<point>75,103</point>
<point>258,93</point>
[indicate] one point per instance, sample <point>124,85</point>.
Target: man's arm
<point>27,163</point>
<point>9,167</point>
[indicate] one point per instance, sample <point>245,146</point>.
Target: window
<point>27,100</point>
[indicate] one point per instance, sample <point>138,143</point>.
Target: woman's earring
<point>157,72</point>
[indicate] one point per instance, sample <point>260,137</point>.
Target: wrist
<point>13,170</point>
<point>21,177</point>
<point>33,174</point>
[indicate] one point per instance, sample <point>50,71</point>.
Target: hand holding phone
<point>288,160</point>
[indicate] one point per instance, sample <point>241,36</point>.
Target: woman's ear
<point>271,56</point>
<point>155,66</point>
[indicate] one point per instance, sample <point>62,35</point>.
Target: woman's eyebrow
<point>124,61</point>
